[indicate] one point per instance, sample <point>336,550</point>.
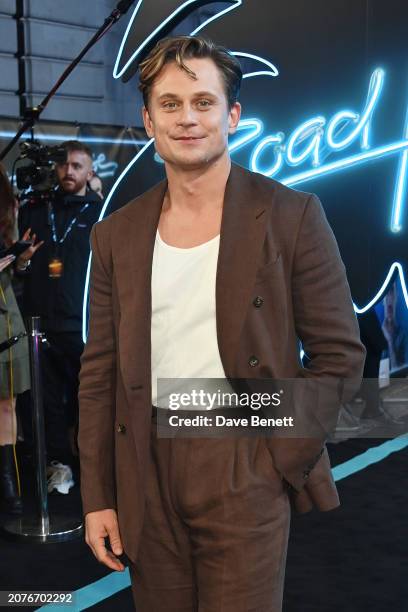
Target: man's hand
<point>28,253</point>
<point>98,526</point>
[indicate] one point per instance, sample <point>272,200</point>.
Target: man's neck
<point>198,189</point>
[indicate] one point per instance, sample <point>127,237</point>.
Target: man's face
<point>189,118</point>
<point>74,174</point>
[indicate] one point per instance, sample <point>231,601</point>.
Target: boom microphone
<point>124,5</point>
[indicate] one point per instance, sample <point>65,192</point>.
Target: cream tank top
<point>183,329</point>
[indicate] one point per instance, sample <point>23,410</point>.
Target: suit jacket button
<point>258,301</point>
<point>253,361</point>
<point>121,428</point>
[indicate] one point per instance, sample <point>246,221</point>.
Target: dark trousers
<point>216,528</point>
<point>60,364</point>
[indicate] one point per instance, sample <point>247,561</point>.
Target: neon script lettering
<point>318,139</point>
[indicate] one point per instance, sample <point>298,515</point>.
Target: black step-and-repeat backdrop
<point>324,101</point>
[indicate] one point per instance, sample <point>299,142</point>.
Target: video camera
<point>38,177</point>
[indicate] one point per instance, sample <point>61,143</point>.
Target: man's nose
<point>187,116</point>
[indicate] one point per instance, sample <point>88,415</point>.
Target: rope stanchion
<point>42,527</point>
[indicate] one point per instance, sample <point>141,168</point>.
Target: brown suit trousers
<point>216,528</point>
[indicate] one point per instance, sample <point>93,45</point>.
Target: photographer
<point>14,360</point>
<point>54,290</point>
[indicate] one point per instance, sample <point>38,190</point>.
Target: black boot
<point>10,501</point>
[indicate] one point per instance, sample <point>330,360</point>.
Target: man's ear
<point>148,124</point>
<point>234,117</point>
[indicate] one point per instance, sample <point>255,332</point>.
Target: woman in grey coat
<point>14,361</point>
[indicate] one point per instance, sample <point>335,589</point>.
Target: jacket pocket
<point>269,270</point>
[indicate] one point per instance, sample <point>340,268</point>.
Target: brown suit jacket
<point>275,242</point>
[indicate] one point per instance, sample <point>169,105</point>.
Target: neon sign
<point>310,144</point>
<point>173,18</point>
<point>395,268</point>
<point>103,167</point>
<point>322,138</point>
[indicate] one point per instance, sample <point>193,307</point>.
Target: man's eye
<point>204,103</point>
<point>170,105</point>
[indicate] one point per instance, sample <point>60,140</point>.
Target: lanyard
<point>69,227</point>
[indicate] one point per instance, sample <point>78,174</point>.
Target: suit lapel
<point>134,258</point>
<point>242,236</point>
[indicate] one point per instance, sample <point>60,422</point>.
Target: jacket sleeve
<point>324,315</point>
<point>327,328</point>
<point>98,383</point>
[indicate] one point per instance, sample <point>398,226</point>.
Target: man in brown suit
<point>204,521</point>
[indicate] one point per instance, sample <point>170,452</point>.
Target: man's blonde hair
<point>181,48</point>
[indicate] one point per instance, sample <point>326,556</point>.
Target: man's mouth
<point>189,138</point>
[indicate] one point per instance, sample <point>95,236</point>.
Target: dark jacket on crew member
<point>58,301</point>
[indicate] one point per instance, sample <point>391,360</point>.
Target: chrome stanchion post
<point>42,527</point>
<point>38,424</point>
